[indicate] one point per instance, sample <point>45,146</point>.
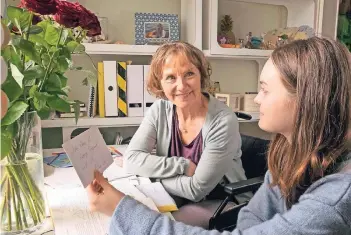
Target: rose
<point>90,22</point>
<point>68,14</point>
<point>72,15</point>
<point>43,7</point>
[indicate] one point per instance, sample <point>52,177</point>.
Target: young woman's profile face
<point>276,104</point>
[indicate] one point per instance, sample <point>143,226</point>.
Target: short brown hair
<point>317,73</point>
<point>194,55</point>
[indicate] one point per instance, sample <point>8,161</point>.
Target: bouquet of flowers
<point>43,39</point>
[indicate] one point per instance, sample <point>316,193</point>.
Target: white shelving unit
<point>87,122</point>
<point>101,122</point>
<point>236,69</point>
<point>119,49</point>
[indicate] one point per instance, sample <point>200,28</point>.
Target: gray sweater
<point>221,151</point>
<point>325,208</point>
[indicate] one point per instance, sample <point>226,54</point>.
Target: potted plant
<point>37,57</point>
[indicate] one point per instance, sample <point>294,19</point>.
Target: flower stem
<point>9,219</point>
<point>50,62</point>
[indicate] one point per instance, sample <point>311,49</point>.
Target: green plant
<point>37,57</point>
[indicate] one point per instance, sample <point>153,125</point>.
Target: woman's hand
<point>191,169</point>
<point>103,197</point>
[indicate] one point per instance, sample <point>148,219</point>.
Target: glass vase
<point>22,207</point>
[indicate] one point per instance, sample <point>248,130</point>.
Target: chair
<point>254,163</point>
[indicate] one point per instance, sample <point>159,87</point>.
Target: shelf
<point>108,122</point>
<point>87,122</point>
<point>243,54</point>
<point>119,49</point>
<point>147,50</point>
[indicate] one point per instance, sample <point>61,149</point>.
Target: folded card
<point>88,152</point>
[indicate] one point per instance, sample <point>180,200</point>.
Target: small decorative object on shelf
<point>40,54</point>
<point>213,88</point>
<point>248,103</point>
<point>103,37</point>
<point>226,35</point>
<point>282,36</point>
<point>231,100</point>
<point>156,28</point>
<point>241,43</point>
<point>248,40</point>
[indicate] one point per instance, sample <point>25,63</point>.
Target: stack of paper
<point>159,196</point>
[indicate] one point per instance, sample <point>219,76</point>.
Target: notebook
<point>92,101</point>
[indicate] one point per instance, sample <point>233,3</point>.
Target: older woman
<point>196,136</point>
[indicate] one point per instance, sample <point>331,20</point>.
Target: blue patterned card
<point>156,28</point>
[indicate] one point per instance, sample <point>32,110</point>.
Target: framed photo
<point>231,100</point>
<point>155,28</point>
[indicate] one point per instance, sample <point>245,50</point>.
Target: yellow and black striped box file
<point>122,89</point>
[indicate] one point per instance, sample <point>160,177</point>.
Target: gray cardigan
<point>325,208</point>
<point>221,151</point>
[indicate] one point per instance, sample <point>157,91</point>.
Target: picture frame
<point>156,28</point>
<point>231,100</point>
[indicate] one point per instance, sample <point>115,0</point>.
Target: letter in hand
<point>102,196</point>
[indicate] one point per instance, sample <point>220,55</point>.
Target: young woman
<point>196,136</point>
<point>305,100</point>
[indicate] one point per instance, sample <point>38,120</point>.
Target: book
<point>101,91</point>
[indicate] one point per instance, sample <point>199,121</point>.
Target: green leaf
<point>64,36</point>
<point>11,88</point>
<point>34,72</point>
<point>17,75</point>
<point>85,82</point>
<point>35,29</point>
<point>38,39</point>
<point>7,134</point>
<point>79,49</point>
<point>14,112</point>
<point>63,80</point>
<point>44,113</point>
<point>72,45</point>
<point>62,64</point>
<point>39,104</point>
<point>28,82</point>
<point>45,59</point>
<point>51,35</point>
<point>76,108</point>
<point>53,82</point>
<point>33,90</point>
<point>28,48</point>
<point>59,104</point>
<point>66,53</point>
<point>19,16</point>
<point>79,68</point>
<point>10,55</point>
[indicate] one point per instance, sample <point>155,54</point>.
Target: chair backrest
<point>253,156</point>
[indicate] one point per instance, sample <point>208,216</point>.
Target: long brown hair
<point>193,54</point>
<point>317,73</point>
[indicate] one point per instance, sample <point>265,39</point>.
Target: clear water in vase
<point>22,201</point>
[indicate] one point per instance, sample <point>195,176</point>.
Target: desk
<point>66,178</point>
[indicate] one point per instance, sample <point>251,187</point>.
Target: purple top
<point>190,151</point>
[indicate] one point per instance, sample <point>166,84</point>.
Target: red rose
<point>43,7</point>
<point>68,14</point>
<point>90,22</point>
